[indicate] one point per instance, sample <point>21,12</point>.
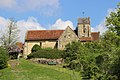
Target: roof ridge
<point>95,32</point>
<point>45,30</point>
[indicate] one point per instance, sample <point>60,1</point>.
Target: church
<point>59,38</point>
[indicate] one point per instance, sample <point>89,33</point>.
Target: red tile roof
<point>86,39</point>
<point>55,34</point>
<point>20,45</point>
<point>43,34</point>
<point>95,36</point>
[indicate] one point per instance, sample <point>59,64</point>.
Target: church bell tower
<point>83,27</point>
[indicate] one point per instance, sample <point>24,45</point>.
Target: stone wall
<point>81,32</point>
<point>50,44</point>
<point>67,37</point>
<point>44,44</point>
<point>46,61</point>
<point>28,46</point>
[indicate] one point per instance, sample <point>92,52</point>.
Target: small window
<point>84,29</point>
<point>40,44</point>
<point>56,45</point>
<point>65,36</point>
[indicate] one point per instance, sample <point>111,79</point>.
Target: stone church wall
<point>67,37</point>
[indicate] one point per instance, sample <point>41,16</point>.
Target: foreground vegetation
<point>3,58</point>
<point>27,70</point>
<point>98,60</point>
<point>48,53</point>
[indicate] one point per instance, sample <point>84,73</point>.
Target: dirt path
<point>13,63</point>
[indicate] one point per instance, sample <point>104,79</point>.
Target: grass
<point>27,70</point>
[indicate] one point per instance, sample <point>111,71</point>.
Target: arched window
<point>84,29</point>
<point>88,31</point>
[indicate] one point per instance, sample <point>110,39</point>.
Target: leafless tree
<point>10,35</point>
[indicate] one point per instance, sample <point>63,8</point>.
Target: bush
<point>14,52</point>
<point>35,48</point>
<point>46,53</point>
<point>3,58</point>
<point>74,65</point>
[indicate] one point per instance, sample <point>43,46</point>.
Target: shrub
<point>74,65</point>
<point>46,53</point>
<point>14,52</point>
<point>3,58</point>
<point>35,48</point>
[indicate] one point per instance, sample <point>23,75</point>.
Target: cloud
<point>30,24</point>
<point>23,25</point>
<point>110,10</point>
<point>3,24</point>
<point>60,24</point>
<point>41,6</point>
<point>101,27</point>
<point>7,3</point>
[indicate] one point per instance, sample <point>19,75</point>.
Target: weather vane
<point>83,13</point>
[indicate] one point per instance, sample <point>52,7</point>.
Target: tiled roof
<point>86,39</point>
<point>43,34</point>
<point>20,45</point>
<point>55,34</point>
<point>95,36</point>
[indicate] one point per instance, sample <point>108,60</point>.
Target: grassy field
<point>27,70</point>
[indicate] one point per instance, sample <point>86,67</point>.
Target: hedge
<point>3,58</point>
<point>35,48</point>
<point>46,53</point>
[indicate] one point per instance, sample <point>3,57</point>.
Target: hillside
<point>27,70</point>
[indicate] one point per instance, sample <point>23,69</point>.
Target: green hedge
<point>3,58</point>
<point>46,53</point>
<point>35,48</point>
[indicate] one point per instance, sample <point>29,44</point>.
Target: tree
<point>73,51</point>
<point>113,24</point>
<point>113,21</point>
<point>10,37</point>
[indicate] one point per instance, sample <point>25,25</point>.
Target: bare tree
<point>10,35</point>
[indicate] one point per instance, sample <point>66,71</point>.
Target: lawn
<point>27,70</point>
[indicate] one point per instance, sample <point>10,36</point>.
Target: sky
<point>54,14</point>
